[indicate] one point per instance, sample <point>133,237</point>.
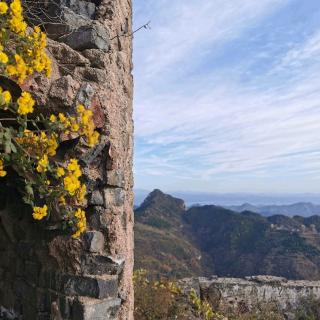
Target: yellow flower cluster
<point>20,70</point>
<point>39,144</point>
<point>3,173</point>
<point>40,212</point>
<point>60,172</point>
<point>71,181</point>
<point>41,62</point>
<point>87,125</point>
<point>82,124</point>
<point>29,55</point>
<point>22,53</point>
<point>3,7</point>
<point>17,23</point>
<point>5,98</point>
<point>81,224</point>
<point>3,56</point>
<point>25,103</point>
<point>43,164</point>
<point>49,144</point>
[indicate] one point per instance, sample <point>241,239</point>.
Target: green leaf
<point>29,189</point>
<point>7,147</point>
<point>13,148</point>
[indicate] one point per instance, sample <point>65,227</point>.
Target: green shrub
<point>309,309</point>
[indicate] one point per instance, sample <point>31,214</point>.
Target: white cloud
<point>183,30</point>
<point>215,125</point>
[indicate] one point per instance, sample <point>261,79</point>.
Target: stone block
<point>96,57</point>
<point>91,74</point>
<point>95,198</point>
<point>92,309</point>
<point>85,94</point>
<point>114,197</point>
<point>64,90</point>
<point>99,287</point>
<point>94,241</point>
<point>83,8</point>
<point>101,264</point>
<point>59,20</point>
<point>115,178</point>
<point>66,55</point>
<point>92,36</point>
<point>95,152</point>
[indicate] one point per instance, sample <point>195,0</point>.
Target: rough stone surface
<point>88,37</point>
<point>94,241</point>
<point>45,274</point>
<point>253,291</point>
<point>95,287</point>
<point>90,309</point>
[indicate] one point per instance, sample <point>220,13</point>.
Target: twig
<point>145,26</point>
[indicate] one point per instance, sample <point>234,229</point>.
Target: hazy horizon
<point>233,198</point>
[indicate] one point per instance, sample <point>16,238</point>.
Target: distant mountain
<point>174,241</point>
<point>304,209</point>
<point>249,201</point>
<point>163,242</point>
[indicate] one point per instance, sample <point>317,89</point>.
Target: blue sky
<point>227,95</point>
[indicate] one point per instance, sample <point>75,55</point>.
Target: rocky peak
<point>157,198</point>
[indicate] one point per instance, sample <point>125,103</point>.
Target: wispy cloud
<point>200,121</point>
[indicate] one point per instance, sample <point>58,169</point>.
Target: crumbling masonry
<point>44,274</point>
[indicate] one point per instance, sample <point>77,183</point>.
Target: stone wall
<point>44,274</point>
<point>244,294</point>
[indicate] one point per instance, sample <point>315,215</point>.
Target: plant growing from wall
<point>164,299</point>
<point>28,139</point>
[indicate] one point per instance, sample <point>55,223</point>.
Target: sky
<point>227,95</point>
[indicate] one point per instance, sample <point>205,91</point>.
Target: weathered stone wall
<point>44,274</point>
<point>245,294</point>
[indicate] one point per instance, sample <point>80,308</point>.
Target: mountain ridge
<point>212,239</point>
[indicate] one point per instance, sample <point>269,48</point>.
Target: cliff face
<point>44,273</point>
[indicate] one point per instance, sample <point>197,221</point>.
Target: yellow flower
<point>74,167</point>
<point>86,125</point>
<point>43,164</point>
<point>3,57</point>
<point>80,108</point>
<point>40,212</point>
<point>6,96</point>
<point>3,7</point>
<point>81,224</point>
<point>25,103</point>
<point>93,138</point>
<point>60,172</point>
<point>3,173</point>
<point>71,184</point>
<point>62,200</point>
<point>81,195</point>
<point>53,118</point>
<point>52,146</point>
<point>17,24</point>
<point>16,7</point>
